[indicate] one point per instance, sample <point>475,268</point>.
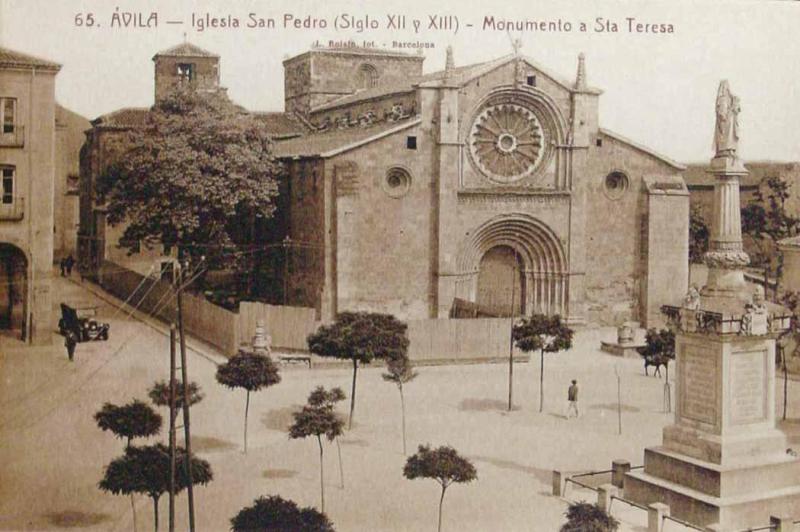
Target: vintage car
<point>78,322</point>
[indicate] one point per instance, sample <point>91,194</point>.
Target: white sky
<point>659,90</point>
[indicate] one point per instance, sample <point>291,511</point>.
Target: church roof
<point>696,174</point>
<point>459,75</point>
<point>13,59</point>
<point>338,141</point>
<point>123,118</point>
<point>357,50</point>
<point>185,50</point>
<point>282,125</point>
<point>644,149</point>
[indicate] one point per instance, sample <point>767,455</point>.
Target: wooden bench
<point>295,359</point>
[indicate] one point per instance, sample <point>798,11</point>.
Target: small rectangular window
<point>185,72</point>
<point>599,143</point>
<point>7,186</point>
<point>8,109</point>
<point>532,81</point>
<point>411,142</point>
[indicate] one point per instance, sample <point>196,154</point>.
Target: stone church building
<point>437,194</point>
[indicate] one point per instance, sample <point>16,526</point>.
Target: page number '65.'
<point>85,19</point>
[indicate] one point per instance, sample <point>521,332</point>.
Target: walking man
<point>63,265</point>
<point>572,399</point>
<point>70,342</point>
<point>69,262</point>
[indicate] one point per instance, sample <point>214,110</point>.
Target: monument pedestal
<point>722,461</point>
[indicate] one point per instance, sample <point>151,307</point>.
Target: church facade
<point>474,187</point>
<point>474,190</point>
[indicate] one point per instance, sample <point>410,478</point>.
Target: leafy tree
<point>360,337</point>
<point>146,470</point>
<point>585,517</point>
<point>659,348</point>
<point>251,371</point>
<point>444,465</point>
<point>768,220</point>
<point>133,420</point>
<point>275,514</point>
<point>400,371</point>
<point>199,170</point>
<point>159,393</point>
<point>698,236</point>
<point>547,334</point>
<point>317,418</point>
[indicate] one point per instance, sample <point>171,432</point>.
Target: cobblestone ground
<point>52,455</point>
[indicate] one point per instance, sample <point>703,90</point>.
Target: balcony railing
<point>13,211</point>
<point>12,139</point>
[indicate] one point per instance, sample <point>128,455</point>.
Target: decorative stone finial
<point>726,130</point>
<point>449,64</point>
<point>580,79</point>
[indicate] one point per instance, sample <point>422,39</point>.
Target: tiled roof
<point>338,140</point>
<point>13,59</point>
<point>282,125</point>
<point>696,173</point>
<point>121,118</point>
<point>185,50</point>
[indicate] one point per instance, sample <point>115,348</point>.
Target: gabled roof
<point>123,118</point>
<point>644,149</point>
<point>696,174</point>
<point>13,59</point>
<point>185,50</point>
<point>282,125</point>
<point>357,50</point>
<point>338,141</point>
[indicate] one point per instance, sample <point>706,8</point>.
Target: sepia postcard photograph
<point>399,266</point>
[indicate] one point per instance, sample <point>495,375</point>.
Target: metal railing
<point>681,522</point>
<point>14,138</point>
<point>13,211</point>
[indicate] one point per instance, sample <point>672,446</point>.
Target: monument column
<point>723,461</point>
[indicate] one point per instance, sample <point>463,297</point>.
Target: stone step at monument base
<point>622,350</point>
<point>768,472</point>
<point>731,512</point>
<point>748,445</point>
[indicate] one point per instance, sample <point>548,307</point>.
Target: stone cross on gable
<point>516,44</point>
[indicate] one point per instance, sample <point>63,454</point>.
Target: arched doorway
<point>505,243</point>
<point>501,280</point>
<point>13,289</point>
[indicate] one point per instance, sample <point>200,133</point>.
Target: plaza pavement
<point>52,454</point>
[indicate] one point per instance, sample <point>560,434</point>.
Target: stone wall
<point>206,74</point>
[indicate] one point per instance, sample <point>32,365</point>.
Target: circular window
<point>615,185</point>
<point>397,182</point>
<point>507,142</point>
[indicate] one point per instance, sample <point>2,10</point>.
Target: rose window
<point>506,142</point>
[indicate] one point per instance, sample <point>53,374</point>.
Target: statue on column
<point>726,132</point>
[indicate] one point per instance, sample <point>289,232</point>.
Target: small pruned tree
<point>251,371</point>
<point>146,470</point>
<point>275,514</point>
<point>133,420</point>
<point>546,334</point>
<point>360,337</point>
<point>698,236</point>
<point>400,371</point>
<point>659,349</point>
<point>585,517</point>
<point>159,394</point>
<point>318,418</point>
<point>444,465</point>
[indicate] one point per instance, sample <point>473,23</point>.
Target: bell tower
<point>185,65</point>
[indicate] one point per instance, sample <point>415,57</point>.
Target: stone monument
<point>626,345</point>
<point>722,462</point>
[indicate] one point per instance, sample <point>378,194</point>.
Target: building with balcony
<point>27,166</point>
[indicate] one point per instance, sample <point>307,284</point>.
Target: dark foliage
<point>659,345</point>
<point>444,465</point>
<point>159,393</point>
<point>360,336</point>
<point>698,236</point>
<point>585,517</point>
<point>275,514</point>
<point>251,371</point>
<point>541,332</point>
<point>399,371</point>
<point>133,420</point>
<point>318,417</point>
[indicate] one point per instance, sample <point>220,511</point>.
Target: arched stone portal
<point>13,289</point>
<point>493,249</point>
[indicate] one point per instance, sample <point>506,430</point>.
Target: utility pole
<point>186,426</point>
<point>511,333</point>
<point>286,243</point>
<point>172,416</point>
